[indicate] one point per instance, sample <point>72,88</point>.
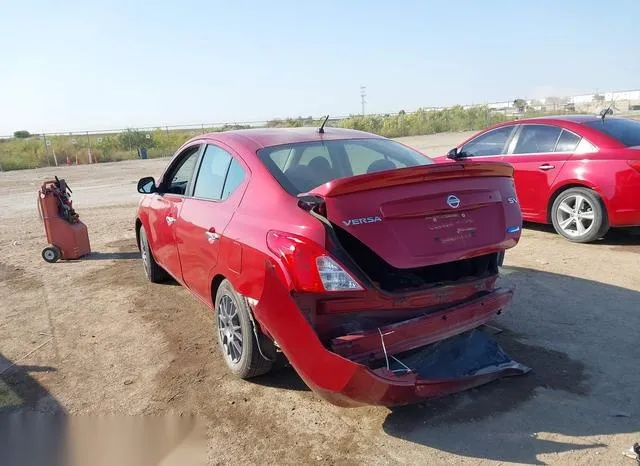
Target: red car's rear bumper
<point>423,330</point>
<point>345,382</point>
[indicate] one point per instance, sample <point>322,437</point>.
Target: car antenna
<point>604,113</point>
<point>321,129</point>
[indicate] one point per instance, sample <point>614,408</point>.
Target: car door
<point>490,145</point>
<point>165,207</point>
<point>216,192</point>
<point>537,153</point>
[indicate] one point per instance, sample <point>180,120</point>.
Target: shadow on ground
<point>32,421</point>
<point>283,376</point>
<point>94,256</point>
<point>615,236</point>
<point>20,390</point>
<point>470,423</point>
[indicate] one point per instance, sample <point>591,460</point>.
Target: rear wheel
<point>579,215</point>
<point>152,270</point>
<point>242,352</point>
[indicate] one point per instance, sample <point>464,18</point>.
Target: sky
<point>72,66</point>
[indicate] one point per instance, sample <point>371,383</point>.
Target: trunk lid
<point>420,216</point>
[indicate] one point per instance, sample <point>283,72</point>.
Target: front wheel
<point>245,355</point>
<point>579,215</point>
<point>152,270</point>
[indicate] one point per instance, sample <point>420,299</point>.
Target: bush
<point>425,121</point>
<point>19,153</point>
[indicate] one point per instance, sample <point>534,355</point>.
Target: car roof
<point>266,137</point>
<point>560,119</point>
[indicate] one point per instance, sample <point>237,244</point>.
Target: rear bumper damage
<point>463,358</point>
<point>421,331</point>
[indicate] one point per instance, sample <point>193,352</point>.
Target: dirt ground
<point>93,337</point>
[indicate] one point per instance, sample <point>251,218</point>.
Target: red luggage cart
<point>67,235</point>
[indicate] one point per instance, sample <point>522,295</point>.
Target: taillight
<point>310,267</point>
<point>635,164</point>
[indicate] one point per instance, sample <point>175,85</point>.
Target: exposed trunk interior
<point>391,279</point>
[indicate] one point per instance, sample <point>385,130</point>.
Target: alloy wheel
<point>143,252</point>
<point>229,329</point>
<point>575,215</point>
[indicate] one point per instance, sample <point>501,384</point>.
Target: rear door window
<point>534,139</point>
<point>212,174</point>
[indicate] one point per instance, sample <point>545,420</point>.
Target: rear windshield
<point>625,131</point>
<point>303,166</point>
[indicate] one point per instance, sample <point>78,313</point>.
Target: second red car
<point>580,173</point>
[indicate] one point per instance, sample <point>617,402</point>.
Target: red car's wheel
<point>579,215</point>
<point>245,356</point>
<point>152,270</point>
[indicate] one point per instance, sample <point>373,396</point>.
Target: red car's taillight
<point>310,267</point>
<point>635,164</point>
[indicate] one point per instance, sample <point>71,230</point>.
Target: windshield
<point>301,167</point>
<point>623,130</point>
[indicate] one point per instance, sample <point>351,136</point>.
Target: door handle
<point>212,236</point>
<point>546,166</point>
<point>170,220</point>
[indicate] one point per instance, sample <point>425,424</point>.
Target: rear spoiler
<point>409,175</point>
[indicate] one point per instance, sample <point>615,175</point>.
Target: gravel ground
<point>114,344</point>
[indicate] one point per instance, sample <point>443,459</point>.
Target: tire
<point>152,270</point>
<point>236,337</point>
<point>585,224</point>
<point>51,254</point>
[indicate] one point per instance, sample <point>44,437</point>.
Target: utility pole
<point>46,147</point>
<point>363,95</point>
<point>89,147</point>
<point>53,149</point>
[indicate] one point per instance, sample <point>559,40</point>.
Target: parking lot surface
<point>107,341</point>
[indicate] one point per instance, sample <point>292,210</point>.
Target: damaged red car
<point>364,263</point>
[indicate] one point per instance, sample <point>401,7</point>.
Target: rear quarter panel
<point>265,206</point>
<point>608,174</point>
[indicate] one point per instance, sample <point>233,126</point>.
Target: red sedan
<point>580,173</point>
<point>348,252</point>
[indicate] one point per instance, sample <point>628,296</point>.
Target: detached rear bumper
<point>346,382</point>
<point>423,330</point>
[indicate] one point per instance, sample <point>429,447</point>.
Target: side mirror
<point>453,154</point>
<point>147,185</point>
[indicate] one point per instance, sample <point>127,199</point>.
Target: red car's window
<point>219,174</point>
<point>537,139</point>
<point>180,175</point>
<point>623,130</point>
<point>567,142</point>
<point>490,143</point>
<point>212,173</point>
<point>303,166</point>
